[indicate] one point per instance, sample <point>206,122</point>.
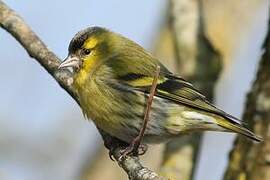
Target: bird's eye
<point>86,51</point>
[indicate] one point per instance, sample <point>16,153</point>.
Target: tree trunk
<point>198,62</point>
<point>250,160</point>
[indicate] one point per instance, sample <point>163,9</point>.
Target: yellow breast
<point>98,101</point>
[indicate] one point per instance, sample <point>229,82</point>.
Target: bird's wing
<point>134,68</point>
<point>173,88</point>
<point>176,89</point>
<point>137,70</point>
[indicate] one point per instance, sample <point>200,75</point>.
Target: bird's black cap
<point>78,40</point>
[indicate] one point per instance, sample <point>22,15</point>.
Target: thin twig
<point>15,25</point>
<point>148,107</point>
<point>133,147</point>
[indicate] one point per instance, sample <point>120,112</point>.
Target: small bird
<point>113,77</point>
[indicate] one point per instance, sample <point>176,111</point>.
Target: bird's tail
<point>237,127</point>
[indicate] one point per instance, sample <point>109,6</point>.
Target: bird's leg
<point>111,143</point>
<point>135,145</point>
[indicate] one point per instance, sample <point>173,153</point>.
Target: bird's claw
<point>142,149</point>
<point>111,154</point>
<point>134,150</point>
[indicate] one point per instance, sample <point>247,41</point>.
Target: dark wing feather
<point>176,89</point>
<point>136,69</point>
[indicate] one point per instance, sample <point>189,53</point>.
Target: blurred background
<point>43,134</point>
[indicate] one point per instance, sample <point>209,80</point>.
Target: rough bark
<point>199,63</point>
<point>250,160</point>
<point>15,25</point>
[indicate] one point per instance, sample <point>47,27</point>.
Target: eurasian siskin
<point>112,78</point>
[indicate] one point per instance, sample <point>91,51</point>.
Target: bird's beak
<point>70,61</point>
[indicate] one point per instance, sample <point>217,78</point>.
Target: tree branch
<point>15,25</point>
